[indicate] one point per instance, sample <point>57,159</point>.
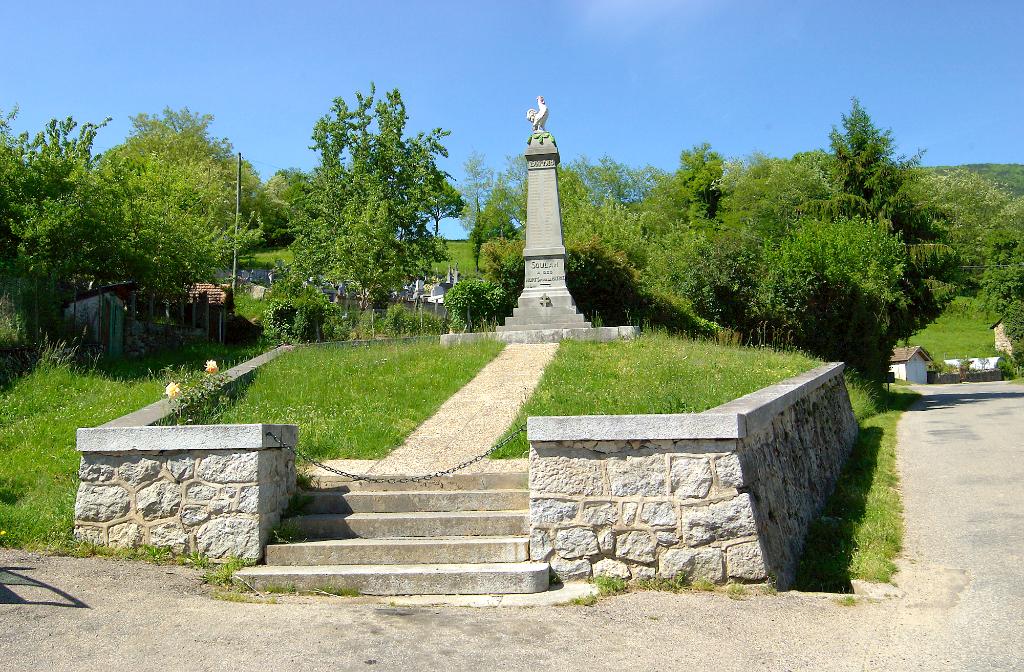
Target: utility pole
<point>238,216</point>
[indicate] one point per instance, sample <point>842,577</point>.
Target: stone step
<point>423,579</point>
<point>401,551</point>
<point>400,501</point>
<point>509,480</point>
<point>511,325</point>
<point>413,524</point>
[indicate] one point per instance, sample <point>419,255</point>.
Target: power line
<point>994,266</point>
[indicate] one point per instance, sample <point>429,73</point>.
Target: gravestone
<point>545,302</point>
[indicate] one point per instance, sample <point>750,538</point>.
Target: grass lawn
<point>962,331</point>
<point>655,373</point>
<point>359,402</point>
<point>861,531</point>
<point>39,414</point>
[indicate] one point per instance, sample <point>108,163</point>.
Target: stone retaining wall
<point>213,489</point>
<point>727,494</point>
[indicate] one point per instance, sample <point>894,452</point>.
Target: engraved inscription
<point>545,272</point>
<point>541,163</point>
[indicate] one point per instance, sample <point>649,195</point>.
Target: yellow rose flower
<point>172,391</point>
<point>211,366</point>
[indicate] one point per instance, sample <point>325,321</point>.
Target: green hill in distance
<point>1010,175</point>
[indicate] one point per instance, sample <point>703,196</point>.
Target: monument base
<point>544,309</point>
<point>545,335</point>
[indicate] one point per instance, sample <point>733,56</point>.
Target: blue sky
<point>638,80</point>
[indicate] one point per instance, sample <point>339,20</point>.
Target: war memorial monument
<point>546,311</point>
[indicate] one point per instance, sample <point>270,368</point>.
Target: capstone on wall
<point>215,489</point>
<point>719,496</point>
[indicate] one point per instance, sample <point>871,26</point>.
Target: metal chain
<point>403,479</point>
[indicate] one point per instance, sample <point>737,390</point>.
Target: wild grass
<point>860,532</point>
<point>655,373</point>
<point>358,402</point>
<point>39,413</point>
<point>962,331</point>
<point>248,307</point>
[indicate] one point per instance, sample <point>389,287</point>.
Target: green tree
<point>55,209</point>
<point>368,206</point>
<point>444,202</point>
<point>768,196</point>
<point>691,195</point>
<point>280,202</point>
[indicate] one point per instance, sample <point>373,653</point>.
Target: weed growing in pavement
<point>224,573</point>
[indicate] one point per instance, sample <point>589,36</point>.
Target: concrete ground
<point>963,579</point>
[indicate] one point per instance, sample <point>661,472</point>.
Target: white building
<point>910,364</point>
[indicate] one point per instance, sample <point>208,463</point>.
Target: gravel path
<point>475,417</point>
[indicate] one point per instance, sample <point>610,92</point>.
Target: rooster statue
<point>538,117</point>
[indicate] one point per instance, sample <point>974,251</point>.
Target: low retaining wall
<point>967,377</point>
<point>727,494</point>
<point>213,489</point>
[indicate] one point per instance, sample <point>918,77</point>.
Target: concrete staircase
<point>465,534</point>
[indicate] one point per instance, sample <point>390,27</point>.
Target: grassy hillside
<point>1009,174</point>
<point>961,331</point>
<point>461,252</point>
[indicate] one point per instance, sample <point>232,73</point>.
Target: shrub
<point>607,288</point>
<point>194,395</point>
<point>399,321</point>
<point>833,286</point>
<point>298,318</point>
<point>717,272</point>
<point>473,302</point>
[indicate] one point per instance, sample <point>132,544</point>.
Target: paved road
<point>964,579</point>
<point>962,464</point>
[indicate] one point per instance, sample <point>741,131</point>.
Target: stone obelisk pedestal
<point>545,302</point>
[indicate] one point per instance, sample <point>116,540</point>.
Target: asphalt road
<point>961,456</point>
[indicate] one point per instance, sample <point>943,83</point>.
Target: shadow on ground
<point>50,596</point>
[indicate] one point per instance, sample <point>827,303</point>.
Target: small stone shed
<point>910,363</point>
<point>1003,342</point>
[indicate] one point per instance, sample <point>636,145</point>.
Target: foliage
<point>1002,281</point>
<point>690,196</point>
<point>718,272</point>
<point>1008,175</point>
<point>398,321</point>
<point>656,373</point>
<point>473,302</point>
<point>358,401</point>
<point>194,395</point>
<point>604,284</point>
<point>767,196</point>
<point>834,286</point>
<point>298,317</point>
<point>369,199</point>
<point>280,204</point>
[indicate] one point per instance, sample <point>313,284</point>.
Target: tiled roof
<point>214,294</point>
<point>901,355</point>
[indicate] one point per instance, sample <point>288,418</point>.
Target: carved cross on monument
<point>545,302</point>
